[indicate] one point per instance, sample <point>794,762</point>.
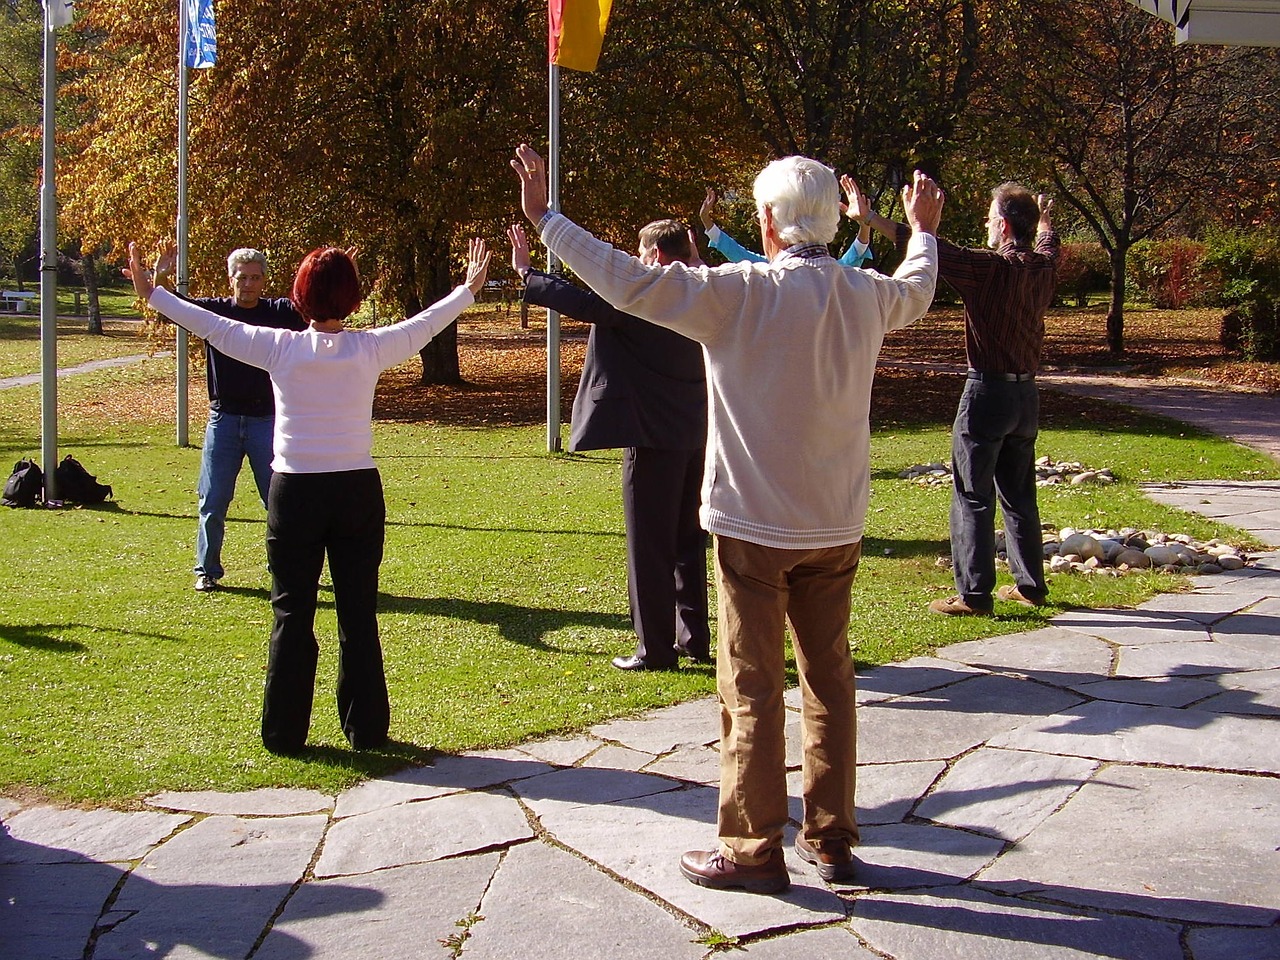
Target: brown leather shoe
<point>709,868</point>
<point>1017,596</point>
<point>833,858</point>
<point>957,607</point>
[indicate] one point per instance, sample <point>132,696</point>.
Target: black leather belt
<point>1002,377</point>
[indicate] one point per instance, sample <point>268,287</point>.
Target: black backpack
<point>77,484</point>
<point>25,486</point>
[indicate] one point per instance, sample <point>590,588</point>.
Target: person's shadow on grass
<point>527,626</point>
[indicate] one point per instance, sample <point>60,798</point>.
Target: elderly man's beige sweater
<point>791,350</point>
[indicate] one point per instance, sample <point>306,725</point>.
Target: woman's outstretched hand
<point>477,266</point>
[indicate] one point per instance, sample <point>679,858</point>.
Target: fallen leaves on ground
<point>504,369</point>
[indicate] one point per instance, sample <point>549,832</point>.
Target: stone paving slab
<point>642,841</point>
<point>902,855</point>
<point>1191,660</point>
<point>449,774</point>
<point>1162,843</point>
<point>210,890</point>
<point>401,912</point>
<point>1004,793</point>
<point>957,922</point>
<point>1051,655</point>
<point>659,732</point>
<point>422,831</point>
<point>958,718</point>
<point>580,913</point>
<point>917,675</point>
<point>53,835</point>
<point>694,764</point>
<point>1165,691</point>
<point>1256,630</point>
<point>1207,608</point>
<point>562,752</point>
<point>886,792</point>
<point>588,786</point>
<point>610,757</point>
<point>1139,734</point>
<point>1255,692</point>
<point>828,943</point>
<point>268,802</point>
<point>1234,943</point>
<point>1132,627</point>
<point>48,911</point>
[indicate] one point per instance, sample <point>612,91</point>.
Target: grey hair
<point>804,198</point>
<point>245,255</point>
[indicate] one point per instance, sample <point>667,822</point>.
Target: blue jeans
<point>228,439</point>
<point>993,456</point>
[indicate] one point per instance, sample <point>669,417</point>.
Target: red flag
<point>576,32</point>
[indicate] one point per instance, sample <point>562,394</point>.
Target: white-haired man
<point>791,348</point>
<point>242,409</point>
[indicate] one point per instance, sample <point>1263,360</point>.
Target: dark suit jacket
<point>642,385</point>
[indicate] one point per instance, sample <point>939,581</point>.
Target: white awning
<point>1236,23</point>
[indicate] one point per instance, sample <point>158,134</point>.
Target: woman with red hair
<point>326,494</point>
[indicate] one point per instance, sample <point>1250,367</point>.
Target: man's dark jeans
<point>993,454</point>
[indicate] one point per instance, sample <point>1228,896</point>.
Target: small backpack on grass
<point>77,484</point>
<point>25,486</point>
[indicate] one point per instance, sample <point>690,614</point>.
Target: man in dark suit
<point>644,388</point>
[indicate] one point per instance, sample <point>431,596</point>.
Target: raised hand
<point>1046,206</point>
<point>706,212</point>
<point>139,274</point>
<point>477,265</point>
<point>923,200</point>
<point>532,171</point>
<point>519,249</point>
<point>858,207</point>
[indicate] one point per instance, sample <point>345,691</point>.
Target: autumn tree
<point>20,101</point>
<point>1133,128</point>
<point>382,125</point>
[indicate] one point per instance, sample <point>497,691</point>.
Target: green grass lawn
<point>503,596</point>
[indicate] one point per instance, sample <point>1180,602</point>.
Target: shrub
<point>1170,273</point>
<point>1083,268</point>
<point>1246,267</point>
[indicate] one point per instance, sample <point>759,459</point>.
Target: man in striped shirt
<point>1006,292</point>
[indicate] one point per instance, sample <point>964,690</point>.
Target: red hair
<point>327,286</point>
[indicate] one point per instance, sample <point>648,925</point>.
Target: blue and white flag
<point>60,11</point>
<point>201,40</point>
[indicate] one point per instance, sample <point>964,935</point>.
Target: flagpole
<point>49,269</point>
<point>553,263</point>
<point>181,280</point>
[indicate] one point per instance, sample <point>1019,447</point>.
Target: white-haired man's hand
<point>923,200</point>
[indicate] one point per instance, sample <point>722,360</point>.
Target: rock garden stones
<point>1048,473</point>
<point>1115,552</point>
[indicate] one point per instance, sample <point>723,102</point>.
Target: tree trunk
<point>440,362</point>
<point>89,270</point>
<point>1115,312</point>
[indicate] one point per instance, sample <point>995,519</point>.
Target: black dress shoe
<point>635,663</point>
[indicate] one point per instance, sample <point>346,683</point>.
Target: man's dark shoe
<point>635,663</point>
<point>833,858</point>
<point>709,868</point>
<point>696,657</point>
<point>1017,596</point>
<point>957,607</point>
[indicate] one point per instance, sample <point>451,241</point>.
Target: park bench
<point>15,301</point>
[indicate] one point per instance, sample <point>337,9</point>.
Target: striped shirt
<point>1006,294</point>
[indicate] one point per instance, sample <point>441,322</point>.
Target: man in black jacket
<point>644,388</point>
<point>242,407</point>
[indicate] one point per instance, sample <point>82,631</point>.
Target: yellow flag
<point>576,32</point>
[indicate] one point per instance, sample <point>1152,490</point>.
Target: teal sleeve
<point>734,251</point>
<point>855,258</point>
